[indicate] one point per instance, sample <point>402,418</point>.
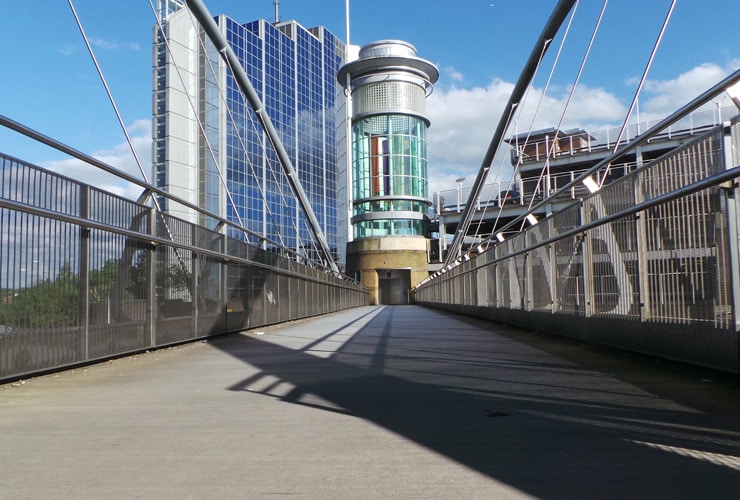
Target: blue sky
<point>50,82</point>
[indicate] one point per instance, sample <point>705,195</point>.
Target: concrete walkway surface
<point>380,402</point>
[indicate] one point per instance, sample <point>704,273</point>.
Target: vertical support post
<point>194,283</point>
<point>588,268</point>
<point>442,230</point>
<point>224,283</point>
<point>151,294</point>
<point>554,299</point>
<point>643,268</point>
<point>84,283</point>
<point>528,291</point>
<point>732,225</point>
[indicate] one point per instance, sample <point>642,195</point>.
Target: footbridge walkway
<point>374,402</point>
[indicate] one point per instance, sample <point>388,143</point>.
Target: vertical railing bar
<point>84,269</point>
<point>151,292</point>
<point>732,225</point>
<point>194,274</point>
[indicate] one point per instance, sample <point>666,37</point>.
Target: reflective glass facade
<point>390,175</point>
<point>390,188</point>
<point>293,70</point>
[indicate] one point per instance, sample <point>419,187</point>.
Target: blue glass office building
<point>203,127</point>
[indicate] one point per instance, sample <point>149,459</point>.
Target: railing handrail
<point>606,144</point>
<point>602,139</point>
<point>149,190</point>
<point>717,179</point>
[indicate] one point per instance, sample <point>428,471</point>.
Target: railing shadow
<point>540,423</point>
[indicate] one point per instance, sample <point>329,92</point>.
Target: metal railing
<point>694,124</point>
<point>86,275</point>
<point>581,141</point>
<point>520,192</point>
<point>648,263</point>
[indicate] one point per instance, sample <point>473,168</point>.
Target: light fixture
<point>591,184</point>
<point>500,237</point>
<point>531,219</point>
<point>734,92</point>
<point>459,181</point>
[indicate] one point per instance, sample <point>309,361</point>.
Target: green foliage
<point>56,302</point>
<point>48,304</point>
<point>171,277</point>
<point>103,280</point>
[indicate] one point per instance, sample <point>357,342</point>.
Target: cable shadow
<point>537,422</point>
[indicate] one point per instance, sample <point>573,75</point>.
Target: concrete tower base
<point>388,266</point>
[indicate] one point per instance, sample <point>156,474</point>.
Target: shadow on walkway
<point>549,426</point>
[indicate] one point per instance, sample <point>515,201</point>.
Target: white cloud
<point>66,50</point>
<point>659,98</point>
<point>105,44</point>
<point>118,156</point>
<point>463,120</point>
<point>453,74</point>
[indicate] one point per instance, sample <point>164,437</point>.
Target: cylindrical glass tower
<point>389,85</point>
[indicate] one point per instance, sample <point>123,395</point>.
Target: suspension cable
<point>239,137</point>
<point>242,143</point>
<point>167,228</point>
<point>110,95</point>
<point>544,93</point>
<point>553,24</point>
<point>221,44</point>
<point>165,38</point>
<point>551,149</point>
<point>273,175</point>
<point>216,163</point>
<point>639,87</point>
<point>519,111</point>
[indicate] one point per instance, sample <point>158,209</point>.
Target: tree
<point>48,304</point>
<point>103,280</point>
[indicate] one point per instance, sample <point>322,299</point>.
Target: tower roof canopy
<point>385,56</point>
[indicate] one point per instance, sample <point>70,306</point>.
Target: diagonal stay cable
<point>640,85</point>
<point>703,98</point>
<point>551,27</point>
<point>193,109</point>
<point>241,139</point>
<point>232,120</point>
<point>271,171</point>
<point>512,112</point>
<point>225,50</point>
<point>584,59</point>
<point>222,96</point>
<point>518,111</point>
<point>171,236</point>
<point>108,91</point>
<point>545,90</point>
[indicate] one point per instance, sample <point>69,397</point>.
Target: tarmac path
<point>379,402</point>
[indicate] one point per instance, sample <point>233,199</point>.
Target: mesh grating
<point>659,280</point>
<point>388,97</point>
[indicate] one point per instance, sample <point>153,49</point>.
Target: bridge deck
<point>374,402</point>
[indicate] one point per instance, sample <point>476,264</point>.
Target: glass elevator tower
<point>389,183</point>
<point>389,85</point>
